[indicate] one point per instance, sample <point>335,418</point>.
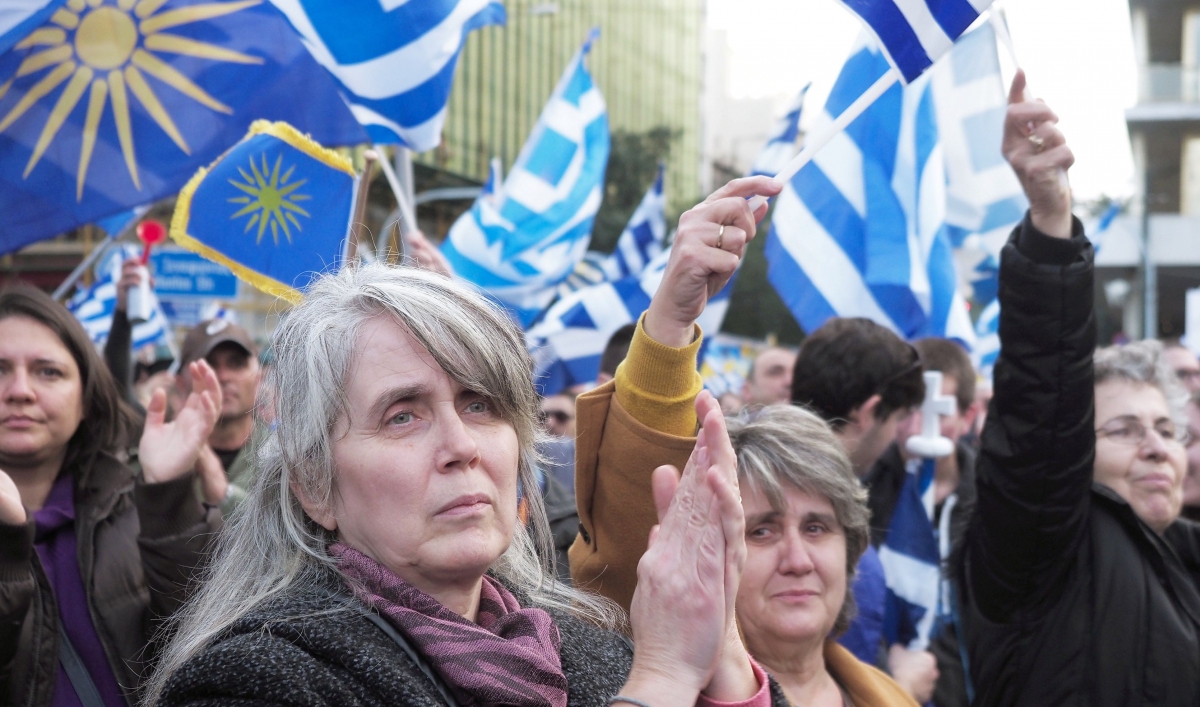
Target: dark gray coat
<point>295,652</point>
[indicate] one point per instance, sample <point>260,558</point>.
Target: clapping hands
<point>683,610</point>
<point>170,449</point>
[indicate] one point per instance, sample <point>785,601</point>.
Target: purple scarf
<point>508,658</point>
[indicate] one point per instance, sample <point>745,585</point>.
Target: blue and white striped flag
<point>520,248</point>
<point>20,17</point>
<point>394,60</point>
<point>568,342</point>
<point>94,306</point>
<point>781,146</point>
<point>911,562</point>
<point>860,231</point>
<point>638,244</point>
<point>914,33</point>
<point>984,200</point>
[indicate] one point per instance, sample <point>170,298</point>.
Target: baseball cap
<point>208,335</point>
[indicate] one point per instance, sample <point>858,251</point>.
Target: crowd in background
<point>381,510</point>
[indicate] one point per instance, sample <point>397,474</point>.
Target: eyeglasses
<point>1133,433</point>
<point>562,417</point>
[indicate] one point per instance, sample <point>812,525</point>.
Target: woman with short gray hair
<point>378,559</point>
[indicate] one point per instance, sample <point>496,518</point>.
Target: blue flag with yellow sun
<point>275,210</point>
<point>109,104</point>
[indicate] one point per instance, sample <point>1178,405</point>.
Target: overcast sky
<point>1078,55</point>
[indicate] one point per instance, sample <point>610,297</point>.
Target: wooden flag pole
<point>820,138</point>
<point>358,222</point>
<point>406,211</point>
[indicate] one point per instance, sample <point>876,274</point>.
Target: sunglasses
<point>560,416</point>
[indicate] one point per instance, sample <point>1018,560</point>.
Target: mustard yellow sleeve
<point>657,385</point>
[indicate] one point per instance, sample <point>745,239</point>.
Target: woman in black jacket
<point>91,556</point>
<point>1079,586</point>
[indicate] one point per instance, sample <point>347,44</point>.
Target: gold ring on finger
<point>1038,142</point>
<point>720,235</point>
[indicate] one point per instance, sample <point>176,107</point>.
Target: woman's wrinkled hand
<point>683,609</point>
<point>170,449</point>
<point>708,246</point>
<point>1039,154</point>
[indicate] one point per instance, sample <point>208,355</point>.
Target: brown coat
<point>139,545</point>
<point>614,458</point>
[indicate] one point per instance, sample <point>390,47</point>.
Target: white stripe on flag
<point>931,35</point>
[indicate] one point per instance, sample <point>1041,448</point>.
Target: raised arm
<point>645,418</point>
<point>1035,469</point>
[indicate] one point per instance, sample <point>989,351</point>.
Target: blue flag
<point>567,343</point>
<point>914,33</point>
<point>393,60</point>
<point>108,105</point>
<point>94,306</point>
<point>275,210</point>
<point>860,231</point>
<point>781,145</point>
<point>911,562</point>
<point>519,247</point>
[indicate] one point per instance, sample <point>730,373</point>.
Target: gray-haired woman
<point>378,559</point>
<point>1077,583</point>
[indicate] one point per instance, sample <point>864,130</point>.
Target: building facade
<point>648,64</point>
<point>1164,130</point>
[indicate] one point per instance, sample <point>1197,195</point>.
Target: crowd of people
<point>382,511</point>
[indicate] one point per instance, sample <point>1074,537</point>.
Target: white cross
<point>930,443</point>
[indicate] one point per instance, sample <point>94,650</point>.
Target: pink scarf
<point>509,657</point>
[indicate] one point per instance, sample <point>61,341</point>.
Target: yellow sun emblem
<point>108,47</point>
<point>271,199</point>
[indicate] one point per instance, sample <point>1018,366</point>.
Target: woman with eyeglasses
<point>1078,583</point>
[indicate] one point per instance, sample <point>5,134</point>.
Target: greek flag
<point>911,560</point>
<point>781,146</point>
<point>393,59</point>
<point>519,248</point>
<point>94,306</point>
<point>860,230</point>
<point>914,33</point>
<point>567,344</point>
<point>984,200</point>
<point>638,244</point>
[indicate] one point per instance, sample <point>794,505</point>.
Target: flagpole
<point>813,143</point>
<point>358,223</point>
<point>402,202</point>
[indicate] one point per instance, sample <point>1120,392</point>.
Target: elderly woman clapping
<point>380,561</point>
<point>806,514</point>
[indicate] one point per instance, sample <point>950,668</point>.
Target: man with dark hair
<point>954,492</point>
<point>863,380</point>
<point>770,378</point>
<point>615,351</point>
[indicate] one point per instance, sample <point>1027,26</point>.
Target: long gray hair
<point>784,446</point>
<point>271,547</point>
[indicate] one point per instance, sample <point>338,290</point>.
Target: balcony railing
<point>1169,83</point>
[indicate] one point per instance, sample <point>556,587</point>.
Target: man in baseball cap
<point>233,356</point>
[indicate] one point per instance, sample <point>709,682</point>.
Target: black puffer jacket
<point>1068,598</point>
<point>139,545</point>
<point>307,649</point>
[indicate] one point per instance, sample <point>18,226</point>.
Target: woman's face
<point>41,393</point>
<point>1148,473</point>
<point>794,583</point>
<point>425,472</point>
